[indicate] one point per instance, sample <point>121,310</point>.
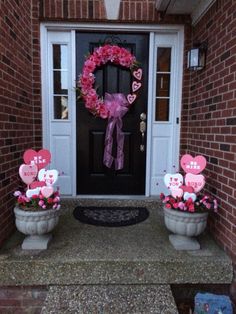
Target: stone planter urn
<point>185,226</point>
<point>37,225</point>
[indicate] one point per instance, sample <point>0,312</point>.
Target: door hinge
<point>177,120</point>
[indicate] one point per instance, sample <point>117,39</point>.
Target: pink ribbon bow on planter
<point>117,106</point>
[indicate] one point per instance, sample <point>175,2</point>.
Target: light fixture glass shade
<point>196,58</point>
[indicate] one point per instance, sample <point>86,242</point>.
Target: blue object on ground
<point>208,303</point>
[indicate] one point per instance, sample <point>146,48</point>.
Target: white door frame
<point>178,30</point>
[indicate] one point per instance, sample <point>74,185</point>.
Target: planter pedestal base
<point>36,242</point>
<point>180,242</point>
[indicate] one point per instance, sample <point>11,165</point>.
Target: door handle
<point>142,128</point>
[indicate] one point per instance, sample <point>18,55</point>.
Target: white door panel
<point>166,108</point>
<point>59,107</point>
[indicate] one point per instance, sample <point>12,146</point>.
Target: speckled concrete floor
<point>138,254</point>
<point>128,299</point>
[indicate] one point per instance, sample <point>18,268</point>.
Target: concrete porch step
<point>140,254</point>
<point>117,299</point>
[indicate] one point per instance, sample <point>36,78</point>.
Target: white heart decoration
<point>48,176</point>
<point>196,181</point>
<point>47,191</point>
<point>31,192</point>
<point>173,181</point>
<point>136,86</point>
<point>188,195</point>
<point>138,74</point>
<point>176,192</point>
<point>131,98</point>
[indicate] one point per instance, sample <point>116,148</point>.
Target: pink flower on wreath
<point>103,112</point>
<point>167,205</point>
<point>89,65</point>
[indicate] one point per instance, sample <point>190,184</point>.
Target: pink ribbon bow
<point>117,106</point>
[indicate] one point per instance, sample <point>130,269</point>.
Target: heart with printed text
<point>173,181</point>
<point>187,196</point>
<point>47,191</point>
<point>28,173</point>
<point>193,165</point>
<point>48,176</point>
<point>131,98</point>
<point>196,181</point>
<point>136,86</point>
<point>41,158</point>
<point>176,192</point>
<point>138,74</point>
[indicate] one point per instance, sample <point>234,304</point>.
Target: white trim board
<point>153,30</point>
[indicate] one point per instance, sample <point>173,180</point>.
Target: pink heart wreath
<point>112,102</point>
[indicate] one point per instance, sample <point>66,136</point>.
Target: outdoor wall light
<point>197,57</point>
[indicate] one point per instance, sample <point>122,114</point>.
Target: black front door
<point>92,176</point>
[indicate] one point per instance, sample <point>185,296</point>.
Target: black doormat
<point>111,216</point>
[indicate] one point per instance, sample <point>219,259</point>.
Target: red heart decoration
<point>193,165</point>
<point>138,74</point>
<point>136,86</point>
<point>131,98</point>
<point>37,184</point>
<point>28,173</point>
<point>186,188</point>
<point>41,158</point>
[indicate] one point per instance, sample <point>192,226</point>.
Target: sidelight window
<point>163,74</point>
<point>60,81</point>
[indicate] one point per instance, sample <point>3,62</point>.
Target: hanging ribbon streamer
<point>117,106</point>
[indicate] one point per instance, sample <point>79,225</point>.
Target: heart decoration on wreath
<point>113,106</point>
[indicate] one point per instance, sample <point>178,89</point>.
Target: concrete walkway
<point>137,258</point>
<point>110,299</point>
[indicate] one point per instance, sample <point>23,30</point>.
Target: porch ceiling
<point>195,8</point>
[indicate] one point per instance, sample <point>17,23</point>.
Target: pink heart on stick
<point>136,86</point>
<point>193,165</point>
<point>131,98</point>
<point>47,191</point>
<point>173,181</point>
<point>138,74</point>
<point>41,158</point>
<point>28,173</point>
<point>177,192</point>
<point>196,181</point>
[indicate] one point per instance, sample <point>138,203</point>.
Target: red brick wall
<point>17,123</point>
<point>212,115</point>
<point>22,299</point>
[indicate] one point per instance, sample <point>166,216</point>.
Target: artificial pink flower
<point>103,112</point>
<point>181,205</point>
<point>41,203</point>
<point>50,200</point>
<point>17,193</point>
